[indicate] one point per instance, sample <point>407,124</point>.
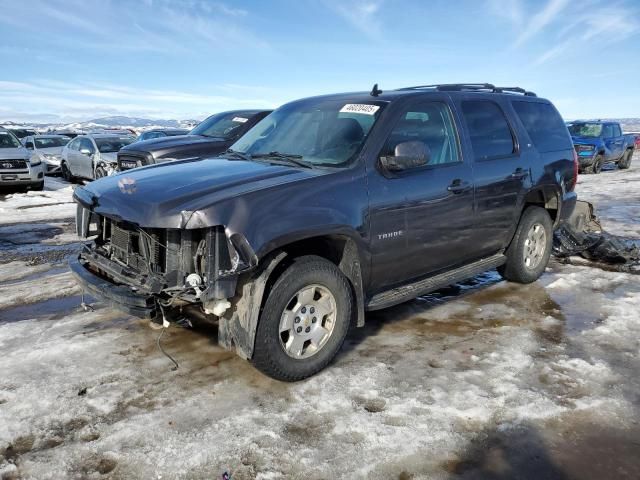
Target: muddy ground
<point>483,379</point>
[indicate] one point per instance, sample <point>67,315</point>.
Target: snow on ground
<point>53,203</point>
<point>481,380</point>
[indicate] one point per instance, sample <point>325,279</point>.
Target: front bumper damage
<point>582,235</point>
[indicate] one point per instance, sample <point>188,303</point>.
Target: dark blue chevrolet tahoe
<point>598,143</point>
<point>330,207</point>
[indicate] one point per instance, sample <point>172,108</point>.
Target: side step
<point>427,285</point>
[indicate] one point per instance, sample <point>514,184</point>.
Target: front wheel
<point>66,173</point>
<point>304,321</point>
<point>100,172</point>
<point>626,160</point>
<point>528,254</point>
<point>596,166</point>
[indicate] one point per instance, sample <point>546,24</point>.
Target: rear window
<point>488,129</point>
<point>544,126</point>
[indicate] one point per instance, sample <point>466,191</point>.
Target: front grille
<point>141,249</point>
<point>13,164</point>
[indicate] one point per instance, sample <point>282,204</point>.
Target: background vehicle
<point>47,148</point>
<point>636,135</point>
<point>598,143</point>
<point>20,133</point>
<point>17,167</point>
<point>161,132</point>
<point>211,137</point>
<point>331,206</point>
<point>92,156</point>
<point>67,133</point>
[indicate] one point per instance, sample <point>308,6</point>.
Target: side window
<point>74,144</point>
<point>88,144</point>
<point>488,129</point>
<point>544,126</point>
<point>432,124</point>
<point>607,131</point>
<point>616,130</point>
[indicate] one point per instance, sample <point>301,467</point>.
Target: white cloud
<point>541,19</point>
<point>361,14</point>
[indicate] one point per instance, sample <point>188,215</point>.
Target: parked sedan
<point>92,156</point>
<point>47,149</point>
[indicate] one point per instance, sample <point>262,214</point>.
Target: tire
<point>100,172</point>
<point>320,282</point>
<point>596,166</point>
<point>626,160</point>
<point>66,173</point>
<point>523,265</point>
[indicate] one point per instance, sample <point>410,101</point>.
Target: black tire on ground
<point>527,257</point>
<point>100,172</point>
<point>626,160</point>
<point>66,173</point>
<point>270,356</point>
<point>38,187</point>
<point>596,166</point>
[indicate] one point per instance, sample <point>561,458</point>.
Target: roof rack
<point>478,87</point>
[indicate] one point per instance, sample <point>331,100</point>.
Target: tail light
<point>574,180</point>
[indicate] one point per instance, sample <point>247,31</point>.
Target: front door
<point>420,218</point>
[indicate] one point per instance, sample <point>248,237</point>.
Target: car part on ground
<point>583,235</point>
<point>373,183</point>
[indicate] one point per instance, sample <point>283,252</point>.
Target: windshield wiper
<point>234,153</point>
<point>286,157</point>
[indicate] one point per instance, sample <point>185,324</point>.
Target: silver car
<point>92,156</point>
<point>17,168</point>
<point>47,148</point>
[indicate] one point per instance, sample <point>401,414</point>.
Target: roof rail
<point>483,87</point>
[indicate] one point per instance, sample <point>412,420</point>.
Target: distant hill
<point>133,122</point>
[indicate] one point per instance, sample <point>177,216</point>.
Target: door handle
<point>458,186</point>
<point>519,173</point>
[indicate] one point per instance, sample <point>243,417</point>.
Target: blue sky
<point>79,59</point>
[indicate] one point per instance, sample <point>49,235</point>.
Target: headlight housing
<point>51,158</point>
<point>35,160</point>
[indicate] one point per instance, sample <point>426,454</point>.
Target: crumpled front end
<point>142,270</point>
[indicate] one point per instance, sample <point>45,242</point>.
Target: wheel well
<point>545,198</point>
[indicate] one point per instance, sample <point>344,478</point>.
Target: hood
<point>14,153</point>
<point>168,143</point>
<point>109,157</point>
<point>168,195</point>
<point>51,150</point>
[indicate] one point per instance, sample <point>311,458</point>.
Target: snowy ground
<point>482,380</point>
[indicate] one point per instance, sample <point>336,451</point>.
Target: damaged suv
<point>329,207</point>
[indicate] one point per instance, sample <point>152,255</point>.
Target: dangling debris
<point>582,235</point>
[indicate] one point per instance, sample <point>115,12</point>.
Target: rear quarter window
<point>544,125</point>
<point>489,130</point>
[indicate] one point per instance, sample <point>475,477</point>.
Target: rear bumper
<point>116,296</point>
<point>567,208</point>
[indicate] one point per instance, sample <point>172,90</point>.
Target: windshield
<point>585,129</point>
<point>321,132</point>
<point>222,125</point>
<point>109,145</point>
<point>50,142</point>
<point>8,140</point>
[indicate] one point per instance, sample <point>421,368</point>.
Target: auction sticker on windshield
<point>240,119</point>
<point>363,108</point>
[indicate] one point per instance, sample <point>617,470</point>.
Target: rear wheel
<point>626,160</point>
<point>528,254</point>
<point>304,321</point>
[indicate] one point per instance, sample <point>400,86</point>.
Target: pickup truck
<point>329,207</point>
<point>598,143</point>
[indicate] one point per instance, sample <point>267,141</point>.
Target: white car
<point>17,169</point>
<point>47,148</point>
<point>92,156</point>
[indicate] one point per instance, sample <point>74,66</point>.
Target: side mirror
<point>86,151</point>
<point>29,146</point>
<point>407,155</point>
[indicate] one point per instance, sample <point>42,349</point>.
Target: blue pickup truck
<point>599,142</point>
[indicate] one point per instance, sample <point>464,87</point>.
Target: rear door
<point>421,218</point>
<point>501,173</point>
<point>72,155</point>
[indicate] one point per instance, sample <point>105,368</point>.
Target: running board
<point>427,285</point>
